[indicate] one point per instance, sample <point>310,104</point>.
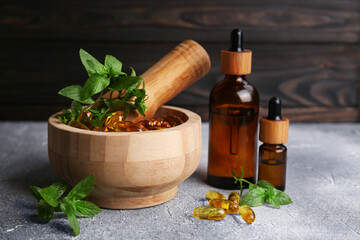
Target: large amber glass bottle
<point>234,112</point>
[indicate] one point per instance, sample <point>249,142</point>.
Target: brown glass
<point>272,164</point>
<point>233,125</point>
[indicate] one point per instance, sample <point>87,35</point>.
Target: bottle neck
<point>273,145</point>
<point>235,78</point>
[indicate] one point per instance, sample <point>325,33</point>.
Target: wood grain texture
<point>306,52</point>
<point>303,75</point>
<point>163,159</point>
<point>175,72</point>
<point>236,63</point>
<point>274,132</point>
<point>263,21</point>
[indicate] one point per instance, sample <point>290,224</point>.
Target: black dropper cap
<point>236,41</point>
<point>274,109</point>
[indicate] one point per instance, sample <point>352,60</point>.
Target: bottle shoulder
<point>234,93</point>
<point>273,147</point>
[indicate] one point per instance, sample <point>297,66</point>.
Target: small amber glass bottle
<point>234,109</point>
<point>272,154</point>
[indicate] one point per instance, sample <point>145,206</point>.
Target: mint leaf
<point>251,187</point>
<point>73,92</point>
<point>45,211</point>
<point>85,209</point>
<point>61,187</point>
<point>113,66</point>
<point>284,199</point>
<point>255,197</point>
<point>49,194</point>
<point>76,109</point>
<point>273,198</point>
<point>95,84</point>
<point>91,64</point>
<point>82,189</point>
<point>35,192</point>
<point>133,73</point>
<point>67,209</point>
<point>65,116</point>
<point>265,184</point>
<point>126,82</point>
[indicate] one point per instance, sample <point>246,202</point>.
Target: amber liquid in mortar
<point>233,130</point>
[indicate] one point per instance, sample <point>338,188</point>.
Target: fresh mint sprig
<point>260,193</point>
<point>49,201</point>
<point>104,78</point>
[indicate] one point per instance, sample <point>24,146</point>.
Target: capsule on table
<point>214,195</point>
<point>235,197</point>
<point>247,213</point>
<point>230,207</point>
<point>209,213</point>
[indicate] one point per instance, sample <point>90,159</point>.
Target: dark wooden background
<point>305,51</point>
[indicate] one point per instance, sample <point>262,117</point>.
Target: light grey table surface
<point>323,180</point>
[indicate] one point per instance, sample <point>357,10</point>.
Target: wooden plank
<point>311,114</point>
<point>303,75</point>
<point>262,21</point>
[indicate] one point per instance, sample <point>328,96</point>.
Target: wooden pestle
<point>176,71</point>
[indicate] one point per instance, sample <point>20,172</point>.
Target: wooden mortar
<point>137,169</point>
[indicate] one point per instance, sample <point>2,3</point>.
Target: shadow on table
<point>40,175</point>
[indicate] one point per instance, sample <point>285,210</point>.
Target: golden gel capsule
<point>214,195</point>
<point>209,213</point>
<point>235,197</point>
<point>78,125</point>
<point>85,118</point>
<point>247,213</point>
<point>229,206</point>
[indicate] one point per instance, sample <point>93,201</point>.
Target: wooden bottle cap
<point>236,63</point>
<point>274,131</point>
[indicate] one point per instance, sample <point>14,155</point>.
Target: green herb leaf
<point>264,184</point>
<point>65,116</point>
<point>82,189</point>
<point>284,199</point>
<point>85,209</point>
<point>67,209</point>
<point>254,198</point>
<point>35,192</point>
<point>95,84</point>
<point>251,186</point>
<point>272,198</point>
<point>113,65</point>
<point>91,64</point>
<point>49,194</point>
<point>45,211</point>
<point>61,187</point>
<point>76,109</point>
<point>73,92</point>
<point>126,82</point>
<point>133,73</point>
